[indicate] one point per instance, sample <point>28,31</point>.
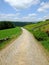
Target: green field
<point>7,35</point>
<point>41,32</point>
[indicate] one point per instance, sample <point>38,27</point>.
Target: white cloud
<point>9,16</point>
<point>44,18</point>
<point>44,6</point>
<point>15,17</point>
<point>29,17</point>
<point>21,4</point>
<point>35,18</point>
<point>42,3</point>
<point>32,14</point>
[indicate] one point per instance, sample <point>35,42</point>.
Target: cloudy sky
<point>24,10</point>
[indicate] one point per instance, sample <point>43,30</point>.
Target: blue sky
<point>24,10</point>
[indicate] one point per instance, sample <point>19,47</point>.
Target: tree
<point>6,25</point>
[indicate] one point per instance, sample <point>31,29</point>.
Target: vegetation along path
<point>24,51</point>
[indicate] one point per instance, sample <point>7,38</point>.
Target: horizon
<point>24,11</point>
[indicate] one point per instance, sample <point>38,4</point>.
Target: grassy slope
<point>39,31</point>
<point>36,25</point>
<point>8,35</point>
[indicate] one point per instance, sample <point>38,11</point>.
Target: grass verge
<point>8,35</point>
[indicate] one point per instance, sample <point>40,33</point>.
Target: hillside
<point>37,25</point>
<point>41,32</point>
<point>22,23</point>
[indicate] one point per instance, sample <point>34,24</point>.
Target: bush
<point>46,44</point>
<point>40,35</point>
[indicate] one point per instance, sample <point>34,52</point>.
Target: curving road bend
<point>24,51</point>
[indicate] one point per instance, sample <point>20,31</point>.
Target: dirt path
<point>23,51</point>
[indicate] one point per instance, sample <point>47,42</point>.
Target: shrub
<point>46,44</point>
<point>40,35</point>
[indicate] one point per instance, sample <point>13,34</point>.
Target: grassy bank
<point>7,35</point>
<point>42,37</point>
<point>41,32</point>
